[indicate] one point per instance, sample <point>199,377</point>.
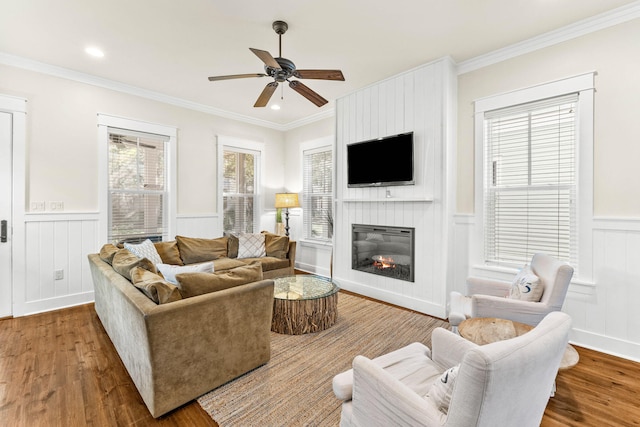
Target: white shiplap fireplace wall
<point>422,100</point>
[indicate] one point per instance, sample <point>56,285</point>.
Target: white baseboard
<point>314,269</point>
<point>608,345</point>
<point>56,303</point>
<point>422,306</point>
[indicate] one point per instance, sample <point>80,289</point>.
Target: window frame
<point>322,144</point>
<point>226,143</point>
<point>583,85</point>
<point>106,122</point>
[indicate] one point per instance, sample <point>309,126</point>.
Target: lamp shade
<point>287,200</point>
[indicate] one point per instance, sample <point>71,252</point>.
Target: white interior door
<point>5,214</point>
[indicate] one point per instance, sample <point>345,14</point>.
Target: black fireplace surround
<point>383,250</point>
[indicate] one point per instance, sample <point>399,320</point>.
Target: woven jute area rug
<point>294,388</point>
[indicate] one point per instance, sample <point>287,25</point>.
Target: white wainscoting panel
<point>314,257</point>
<point>204,226</point>
<point>605,311</point>
<point>56,242</point>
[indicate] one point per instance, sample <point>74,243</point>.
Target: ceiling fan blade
<point>307,93</point>
<point>236,76</point>
<point>266,58</point>
<point>265,96</point>
<point>319,74</point>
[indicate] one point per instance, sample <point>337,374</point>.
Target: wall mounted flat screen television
<point>381,162</point>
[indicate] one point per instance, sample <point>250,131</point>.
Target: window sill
<point>318,244</point>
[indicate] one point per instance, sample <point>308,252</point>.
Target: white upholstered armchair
<point>504,384</point>
<point>486,298</point>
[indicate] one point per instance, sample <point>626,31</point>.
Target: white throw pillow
<point>145,249</point>
<point>442,389</point>
<point>526,286</point>
<point>251,246</point>
<point>169,271</point>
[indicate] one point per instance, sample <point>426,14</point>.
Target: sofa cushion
<point>275,245</point>
<point>145,249</point>
<point>124,261</point>
<point>169,271</point>
<point>233,245</point>
<point>194,250</point>
<point>251,245</point>
<point>107,253</point>
<point>268,263</point>
<point>154,287</point>
<point>194,284</point>
<point>169,252</point>
<point>222,264</point>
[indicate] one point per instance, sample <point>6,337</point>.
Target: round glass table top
<point>303,287</point>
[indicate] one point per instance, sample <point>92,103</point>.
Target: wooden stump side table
<point>303,304</point>
<point>486,330</point>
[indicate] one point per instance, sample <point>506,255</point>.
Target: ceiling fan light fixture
<point>282,70</point>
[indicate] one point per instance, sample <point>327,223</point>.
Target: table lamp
<point>286,201</point>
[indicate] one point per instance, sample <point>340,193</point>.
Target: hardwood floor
<point>60,369</point>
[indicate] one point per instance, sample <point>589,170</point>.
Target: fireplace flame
<point>382,263</point>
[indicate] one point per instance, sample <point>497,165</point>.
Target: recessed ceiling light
<point>95,52</point>
<point>275,107</point>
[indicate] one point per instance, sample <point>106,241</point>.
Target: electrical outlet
<point>56,206</point>
<point>37,206</point>
<point>59,274</point>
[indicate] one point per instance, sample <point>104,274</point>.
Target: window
<point>317,200</point>
<point>240,190</point>
<point>530,186</point>
<point>138,188</point>
<point>531,143</point>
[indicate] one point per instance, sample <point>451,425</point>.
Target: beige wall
<point>293,139</point>
<point>62,151</point>
<point>614,53</point>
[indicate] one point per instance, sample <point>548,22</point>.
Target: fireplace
<point>383,250</point>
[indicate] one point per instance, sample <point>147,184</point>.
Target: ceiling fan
<point>281,70</point>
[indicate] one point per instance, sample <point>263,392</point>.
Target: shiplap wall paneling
<point>412,101</point>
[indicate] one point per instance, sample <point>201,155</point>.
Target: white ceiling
<point>171,46</point>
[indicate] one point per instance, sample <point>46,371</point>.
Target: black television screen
<point>381,162</point>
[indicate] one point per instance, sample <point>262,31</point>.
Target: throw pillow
<point>145,249</point>
<point>233,245</point>
<point>526,286</point>
<point>194,284</point>
<point>251,246</point>
<point>169,271</point>
<point>124,261</point>
<point>152,285</point>
<point>169,252</point>
<point>194,250</point>
<point>107,253</point>
<point>442,389</point>
<point>275,245</point>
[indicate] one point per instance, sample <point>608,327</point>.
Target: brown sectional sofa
<point>179,349</point>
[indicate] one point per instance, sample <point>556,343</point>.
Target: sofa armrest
<point>381,400</point>
<point>477,285</point>
<point>291,254</point>
<point>448,348</point>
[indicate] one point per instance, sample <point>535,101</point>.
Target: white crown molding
<point>586,26</point>
<point>65,73</point>
<point>578,29</point>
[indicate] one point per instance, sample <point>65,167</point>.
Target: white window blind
<point>239,191</point>
<point>530,182</point>
<point>317,200</point>
<point>137,187</point>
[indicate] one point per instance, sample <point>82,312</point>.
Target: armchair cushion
<point>526,286</point>
<point>442,389</point>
